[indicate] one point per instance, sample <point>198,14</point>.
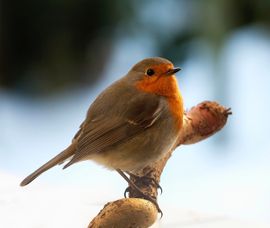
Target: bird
<point>131,124</point>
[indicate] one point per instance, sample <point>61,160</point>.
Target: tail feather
<point>54,161</point>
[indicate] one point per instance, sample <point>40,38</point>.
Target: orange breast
<point>176,107</point>
<point>167,87</point>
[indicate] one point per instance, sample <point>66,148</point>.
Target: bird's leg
<point>127,190</point>
<point>146,180</point>
<point>134,186</point>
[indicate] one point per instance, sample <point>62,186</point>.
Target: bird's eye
<point>150,72</point>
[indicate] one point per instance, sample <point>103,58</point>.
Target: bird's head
<point>155,75</point>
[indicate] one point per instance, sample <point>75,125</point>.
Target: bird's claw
<point>127,190</point>
<point>149,179</point>
<point>141,193</point>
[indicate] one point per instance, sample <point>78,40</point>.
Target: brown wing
<point>108,131</point>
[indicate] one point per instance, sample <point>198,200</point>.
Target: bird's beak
<point>173,71</point>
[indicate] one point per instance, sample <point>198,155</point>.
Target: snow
<point>65,206</point>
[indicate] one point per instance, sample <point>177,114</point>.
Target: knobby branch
<point>200,122</point>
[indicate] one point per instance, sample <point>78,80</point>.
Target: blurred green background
<point>50,46</point>
<point>57,56</point>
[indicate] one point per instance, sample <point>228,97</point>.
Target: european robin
<point>131,124</point>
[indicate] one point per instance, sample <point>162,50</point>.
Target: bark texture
<point>200,122</point>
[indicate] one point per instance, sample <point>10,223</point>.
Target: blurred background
<point>55,58</point>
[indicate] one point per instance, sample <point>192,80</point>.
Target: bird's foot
<point>141,194</point>
<point>145,180</point>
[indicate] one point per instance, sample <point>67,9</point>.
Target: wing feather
<point>109,131</point>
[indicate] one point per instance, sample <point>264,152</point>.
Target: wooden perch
<point>200,122</point>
